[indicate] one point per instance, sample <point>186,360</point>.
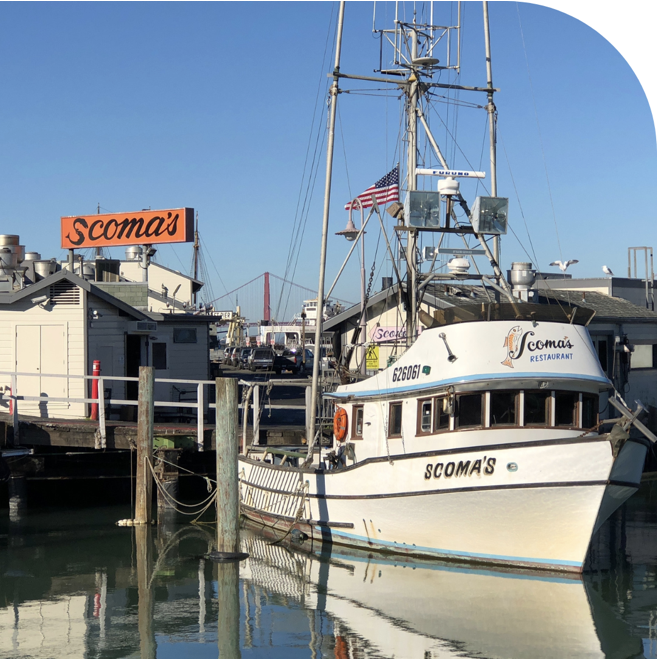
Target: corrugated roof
<point>606,307</point>
<point>444,295</point>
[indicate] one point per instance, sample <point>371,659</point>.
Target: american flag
<point>385,189</point>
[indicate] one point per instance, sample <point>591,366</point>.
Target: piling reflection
<point>145,592</point>
<point>229,610</point>
<point>74,585</point>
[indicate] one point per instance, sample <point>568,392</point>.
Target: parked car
<point>262,358</point>
<point>244,356</point>
<point>234,357</point>
<point>228,350</point>
<point>284,363</point>
<point>328,361</point>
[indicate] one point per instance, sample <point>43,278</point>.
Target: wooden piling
<point>226,448</point>
<point>145,435</point>
<point>229,610</point>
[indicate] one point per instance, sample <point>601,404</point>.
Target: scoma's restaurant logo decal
<point>516,342</point>
<point>165,226</point>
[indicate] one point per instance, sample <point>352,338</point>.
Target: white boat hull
<point>525,504</point>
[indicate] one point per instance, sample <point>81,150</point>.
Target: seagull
<point>563,265</point>
<point>608,271</point>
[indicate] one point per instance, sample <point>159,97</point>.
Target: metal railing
<point>200,404</point>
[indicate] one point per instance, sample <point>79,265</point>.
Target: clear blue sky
<point>211,105</point>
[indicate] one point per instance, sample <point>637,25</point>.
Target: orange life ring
<point>340,426</point>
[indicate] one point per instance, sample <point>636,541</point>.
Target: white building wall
<point>107,343</point>
<point>157,277</point>
<point>59,330</point>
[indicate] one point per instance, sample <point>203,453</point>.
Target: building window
<point>503,409</point>
<point>600,345</point>
<point>159,353</point>
<point>565,408</point>
<point>358,422</point>
<point>644,357</point>
<point>442,414</point>
<point>396,411</point>
<point>185,335</point>
<point>469,410</point>
<point>424,417</point>
<point>589,410</point>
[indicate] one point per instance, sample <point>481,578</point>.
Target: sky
<point>221,107</point>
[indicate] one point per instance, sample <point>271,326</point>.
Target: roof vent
<point>64,293</point>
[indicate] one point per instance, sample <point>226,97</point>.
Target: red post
<point>267,297</point>
<point>96,371</point>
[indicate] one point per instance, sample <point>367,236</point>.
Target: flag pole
<point>320,303</point>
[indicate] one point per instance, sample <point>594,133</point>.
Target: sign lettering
<point>166,226</point>
<point>461,468</point>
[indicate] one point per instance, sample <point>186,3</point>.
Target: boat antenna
<point>334,91</point>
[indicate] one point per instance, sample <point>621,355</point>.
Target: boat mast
<point>334,91</point>
<point>491,123</point>
<point>411,244</point>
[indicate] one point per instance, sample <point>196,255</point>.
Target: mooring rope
<point>206,503</point>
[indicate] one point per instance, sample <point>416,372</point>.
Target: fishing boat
<point>481,442</point>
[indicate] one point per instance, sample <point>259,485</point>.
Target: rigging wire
<point>535,261</point>
<point>538,126</point>
<point>302,205</point>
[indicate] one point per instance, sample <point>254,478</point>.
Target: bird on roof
<point>563,265</point>
<point>608,271</point>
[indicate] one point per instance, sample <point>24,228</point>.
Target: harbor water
<point>75,585</point>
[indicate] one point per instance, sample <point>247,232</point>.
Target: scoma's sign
<point>162,226</point>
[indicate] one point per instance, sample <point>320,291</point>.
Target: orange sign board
<point>160,226</point>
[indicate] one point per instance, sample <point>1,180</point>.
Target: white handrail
<point>199,404</point>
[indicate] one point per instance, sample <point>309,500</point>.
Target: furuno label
<point>164,226</point>
<point>517,342</point>
<point>406,372</point>
<point>461,468</point>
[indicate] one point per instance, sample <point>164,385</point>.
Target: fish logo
<point>512,344</point>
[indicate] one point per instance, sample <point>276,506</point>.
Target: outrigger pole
<point>320,303</point>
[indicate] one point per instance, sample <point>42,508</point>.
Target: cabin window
<point>469,410</point>
<point>159,354</point>
<point>424,416</point>
<point>566,408</point>
<point>536,407</point>
<point>589,410</point>
<point>358,421</point>
<point>442,414</point>
<point>503,408</point>
<point>396,411</point>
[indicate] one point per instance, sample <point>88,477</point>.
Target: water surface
<point>74,585</point>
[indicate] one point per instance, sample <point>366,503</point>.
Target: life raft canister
<point>340,426</point>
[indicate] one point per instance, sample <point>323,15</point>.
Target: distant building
<point>55,326</point>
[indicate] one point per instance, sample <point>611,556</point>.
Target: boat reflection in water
<point>74,585</point>
<point>384,606</point>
